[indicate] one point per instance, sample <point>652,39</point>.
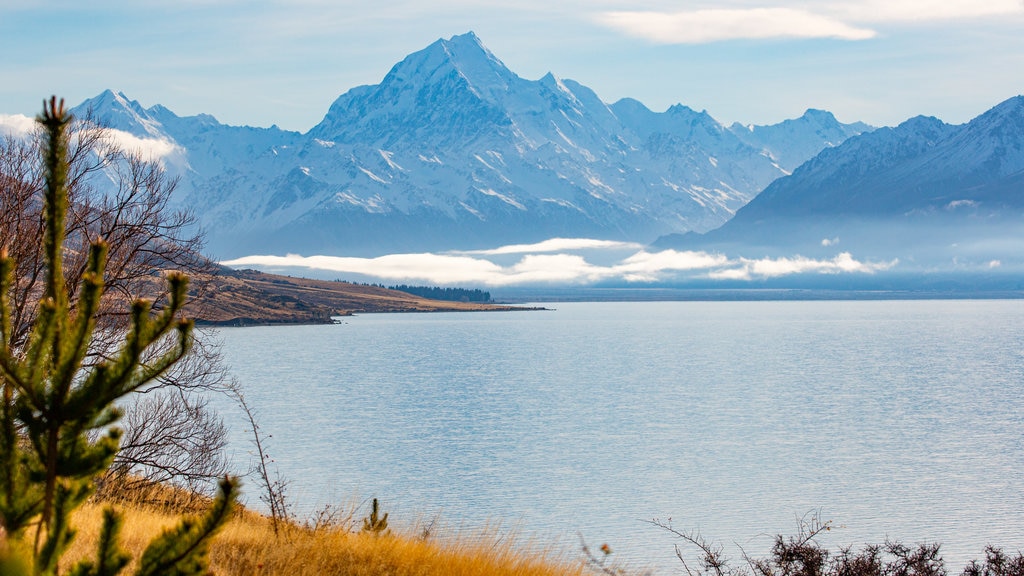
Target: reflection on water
<point>894,419</point>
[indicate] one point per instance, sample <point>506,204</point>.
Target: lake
<point>899,419</point>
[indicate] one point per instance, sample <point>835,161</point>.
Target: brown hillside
<point>249,297</point>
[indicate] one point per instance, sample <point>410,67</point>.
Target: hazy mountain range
<point>452,150</point>
<point>925,192</point>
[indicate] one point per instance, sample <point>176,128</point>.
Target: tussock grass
<point>251,549</point>
<point>247,546</point>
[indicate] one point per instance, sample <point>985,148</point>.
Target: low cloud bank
<point>555,262</point>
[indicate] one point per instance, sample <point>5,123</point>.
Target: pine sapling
<point>55,403</point>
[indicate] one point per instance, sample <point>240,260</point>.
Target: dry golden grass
<point>247,546</point>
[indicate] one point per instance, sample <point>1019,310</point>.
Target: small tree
<point>375,523</point>
<point>121,196</point>
<point>53,398</point>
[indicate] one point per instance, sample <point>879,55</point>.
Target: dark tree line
<point>446,294</point>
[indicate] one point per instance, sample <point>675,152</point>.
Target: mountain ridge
<point>452,150</point>
<point>923,192</point>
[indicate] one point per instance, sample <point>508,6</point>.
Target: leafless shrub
<point>997,563</point>
<point>173,438</point>
<point>802,555</point>
<point>274,487</point>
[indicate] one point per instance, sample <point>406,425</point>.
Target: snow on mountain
<point>921,191</point>
<point>452,150</point>
<point>791,142</point>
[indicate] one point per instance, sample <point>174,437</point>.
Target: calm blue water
<point>900,419</point>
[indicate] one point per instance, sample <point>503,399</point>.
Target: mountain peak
<point>819,116</point>
<point>684,110</point>
<point>464,55</point>
<point>116,110</point>
<point>467,41</point>
<point>457,80</point>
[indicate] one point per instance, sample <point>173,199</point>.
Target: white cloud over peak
<point>149,148</point>
<point>16,125</point>
<point>563,268</point>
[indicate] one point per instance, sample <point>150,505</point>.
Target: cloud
<point>436,268</point>
<point>554,269</point>
<point>651,267</point>
<point>16,125</point>
<point>925,10</point>
<point>556,245</point>
<point>775,267</point>
<point>148,148</point>
<point>839,20</point>
<point>711,25</point>
<point>563,268</point>
<point>19,126</point>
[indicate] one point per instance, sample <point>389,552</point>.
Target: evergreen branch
<point>19,499</point>
<point>152,370</point>
<point>80,458</point>
<point>54,121</point>
<point>59,533</point>
<point>85,320</point>
<point>183,550</point>
<point>110,558</point>
<point>9,367</point>
<point>37,360</point>
<point>127,373</point>
<point>6,283</point>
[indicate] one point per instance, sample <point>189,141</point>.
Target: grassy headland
<point>249,297</point>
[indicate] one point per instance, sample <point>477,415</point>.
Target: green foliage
<point>56,436</point>
<point>375,523</point>
<point>184,549</point>
<point>110,559</point>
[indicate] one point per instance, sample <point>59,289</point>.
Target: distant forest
<point>447,294</point>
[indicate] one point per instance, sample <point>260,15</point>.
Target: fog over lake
<point>898,419</point>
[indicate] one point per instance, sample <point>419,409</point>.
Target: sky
<point>281,62</point>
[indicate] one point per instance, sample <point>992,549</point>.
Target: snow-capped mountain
<point>452,150</point>
<point>924,190</point>
<point>791,142</point>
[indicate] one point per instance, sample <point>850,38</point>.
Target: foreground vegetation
<point>247,545</point>
<point>61,385</point>
<point>336,544</point>
<point>802,555</point>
